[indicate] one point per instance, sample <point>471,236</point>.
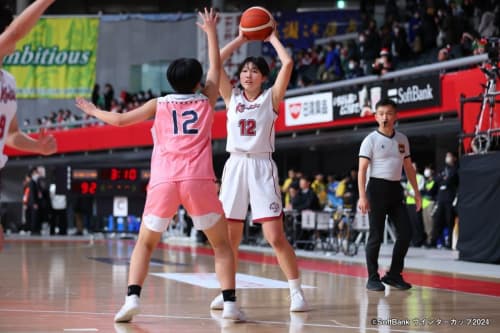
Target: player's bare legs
<point>235,237</point>
<point>225,268</point>
<point>141,255</point>
<point>224,259</point>
<point>139,265</point>
<point>275,234</point>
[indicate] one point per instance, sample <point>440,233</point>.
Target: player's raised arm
<point>22,25</point>
<point>209,24</point>
<point>143,112</point>
<point>225,86</point>
<point>285,73</point>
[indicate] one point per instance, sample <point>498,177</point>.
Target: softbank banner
<point>57,59</point>
<point>310,109</point>
<point>415,93</point>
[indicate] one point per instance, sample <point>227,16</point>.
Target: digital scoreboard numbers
<point>107,181</point>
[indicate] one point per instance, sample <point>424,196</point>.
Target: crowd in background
<point>420,33</point>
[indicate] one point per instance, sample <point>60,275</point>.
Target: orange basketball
<point>256,23</point>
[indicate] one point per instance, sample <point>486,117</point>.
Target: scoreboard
<point>106,181</point>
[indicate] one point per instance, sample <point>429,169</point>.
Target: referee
<point>382,156</point>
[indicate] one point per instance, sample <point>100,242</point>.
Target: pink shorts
<point>199,198</point>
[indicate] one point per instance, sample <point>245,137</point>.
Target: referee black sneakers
<point>396,282</point>
<point>375,285</point>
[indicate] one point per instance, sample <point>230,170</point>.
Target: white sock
<point>294,284</point>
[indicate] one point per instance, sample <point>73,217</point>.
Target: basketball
<point>256,23</point>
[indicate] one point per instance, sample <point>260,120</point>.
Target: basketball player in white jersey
<point>250,175</point>
<point>181,170</point>
<point>10,135</point>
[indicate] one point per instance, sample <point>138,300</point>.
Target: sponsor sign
<point>309,109</point>
<point>57,59</point>
<point>415,93</point>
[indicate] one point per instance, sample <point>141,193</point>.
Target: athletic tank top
<point>8,107</point>
<point>250,125</point>
<point>182,139</point>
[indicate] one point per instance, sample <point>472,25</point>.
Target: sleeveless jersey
<point>182,133</point>
<point>250,125</point>
<point>8,107</point>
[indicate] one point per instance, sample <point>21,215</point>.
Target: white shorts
<point>250,179</point>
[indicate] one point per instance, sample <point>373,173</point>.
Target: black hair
<point>386,102</point>
<point>259,62</point>
<point>184,75</point>
<point>6,15</point>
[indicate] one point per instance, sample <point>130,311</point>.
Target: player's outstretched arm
<point>225,86</point>
<point>209,25</point>
<point>285,73</point>
<point>45,144</point>
<point>22,25</point>
<point>143,112</point>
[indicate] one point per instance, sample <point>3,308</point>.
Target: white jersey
<point>250,125</point>
<point>386,154</point>
<point>8,107</point>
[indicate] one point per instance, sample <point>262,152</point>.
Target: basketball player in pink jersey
<point>181,170</point>
<point>250,175</point>
<point>12,31</point>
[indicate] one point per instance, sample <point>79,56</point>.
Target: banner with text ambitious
<point>57,59</point>
<point>309,109</point>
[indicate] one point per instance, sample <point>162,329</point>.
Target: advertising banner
<point>57,59</point>
<point>309,109</point>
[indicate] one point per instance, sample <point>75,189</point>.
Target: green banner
<point>57,59</point>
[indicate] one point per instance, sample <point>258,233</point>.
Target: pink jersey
<point>182,133</point>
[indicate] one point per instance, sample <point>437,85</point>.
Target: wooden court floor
<point>77,286</point>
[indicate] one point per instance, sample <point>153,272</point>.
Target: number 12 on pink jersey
<point>188,118</point>
<point>247,127</point>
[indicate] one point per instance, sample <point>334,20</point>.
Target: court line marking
<point>266,322</point>
<point>81,330</point>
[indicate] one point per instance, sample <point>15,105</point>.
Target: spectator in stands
<point>487,27</point>
<point>332,69</point>
<point>286,185</point>
<point>382,64</point>
<point>348,189</point>
<point>447,183</point>
<point>306,198</point>
<point>319,187</point>
<point>444,54</point>
<point>109,95</point>
<point>97,98</point>
<point>334,201</point>
<point>353,69</point>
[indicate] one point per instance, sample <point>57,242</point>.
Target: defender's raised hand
<point>208,20</point>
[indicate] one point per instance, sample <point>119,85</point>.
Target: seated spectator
<point>382,64</point>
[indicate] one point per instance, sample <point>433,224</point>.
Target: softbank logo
<point>48,56</point>
<point>411,94</point>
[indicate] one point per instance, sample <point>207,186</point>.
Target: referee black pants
<point>387,198</point>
